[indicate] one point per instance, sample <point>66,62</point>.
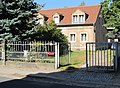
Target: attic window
<point>40,21</point>
<point>81,18</point>
<point>78,18</point>
<point>56,19</point>
<point>75,17</point>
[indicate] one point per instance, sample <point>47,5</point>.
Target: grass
<point>77,59</point>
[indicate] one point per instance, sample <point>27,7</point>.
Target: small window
<point>84,37</point>
<point>40,21</point>
<point>72,37</point>
<point>56,19</point>
<point>75,17</point>
<point>81,18</point>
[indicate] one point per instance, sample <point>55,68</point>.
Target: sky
<point>65,3</point>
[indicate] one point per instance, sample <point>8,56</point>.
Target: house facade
<point>81,24</point>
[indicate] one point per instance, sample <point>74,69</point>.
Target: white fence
<point>44,52</point>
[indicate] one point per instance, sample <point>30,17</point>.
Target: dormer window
<point>78,19</point>
<point>56,19</point>
<point>75,18</point>
<point>81,18</point>
<point>41,18</point>
<point>41,21</point>
<point>78,16</point>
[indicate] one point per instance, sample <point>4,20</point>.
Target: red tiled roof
<point>92,12</point>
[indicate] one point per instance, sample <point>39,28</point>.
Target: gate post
<point>69,50</point>
<point>56,56</point>
<point>116,58</point>
<point>86,56</point>
<point>4,52</point>
<point>58,61</point>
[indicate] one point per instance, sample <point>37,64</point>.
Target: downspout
<point>94,34</point>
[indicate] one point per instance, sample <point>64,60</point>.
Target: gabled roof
<point>92,12</point>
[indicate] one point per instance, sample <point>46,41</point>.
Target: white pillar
<point>4,52</point>
<point>56,61</point>
<point>58,64</point>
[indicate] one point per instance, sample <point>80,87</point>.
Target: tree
<point>49,32</point>
<point>17,19</point>
<point>111,12</point>
<point>105,9</point>
<point>82,3</point>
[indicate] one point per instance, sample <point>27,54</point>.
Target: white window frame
<point>81,37</point>
<point>40,21</point>
<point>78,18</point>
<point>81,18</point>
<point>75,18</point>
<point>74,38</point>
<point>56,19</point>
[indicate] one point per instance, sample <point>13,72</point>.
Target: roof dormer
<point>57,17</point>
<point>41,18</point>
<point>78,17</point>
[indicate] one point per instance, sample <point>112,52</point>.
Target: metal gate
<point>102,56</point>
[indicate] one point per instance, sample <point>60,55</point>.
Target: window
<point>40,21</point>
<point>81,18</point>
<point>78,18</point>
<point>84,37</point>
<point>74,18</point>
<point>56,19</point>
<point>72,37</point>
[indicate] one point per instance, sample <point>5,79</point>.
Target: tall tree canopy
<point>111,12</point>
<point>17,19</point>
<point>49,32</point>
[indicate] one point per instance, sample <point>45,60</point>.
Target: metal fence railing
<point>30,51</point>
<point>41,51</point>
<point>65,54</point>
<point>102,56</point>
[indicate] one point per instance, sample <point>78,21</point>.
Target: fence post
<point>86,56</point>
<point>58,61</point>
<point>69,50</point>
<point>4,52</point>
<point>56,57</point>
<point>116,57</point>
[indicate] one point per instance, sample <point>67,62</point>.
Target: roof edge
<point>70,7</point>
<point>98,14</point>
<point>68,25</point>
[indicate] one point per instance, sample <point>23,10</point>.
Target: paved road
<point>19,83</point>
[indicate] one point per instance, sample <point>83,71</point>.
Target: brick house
<point>80,24</point>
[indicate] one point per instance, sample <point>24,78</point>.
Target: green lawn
<point>77,59</point>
